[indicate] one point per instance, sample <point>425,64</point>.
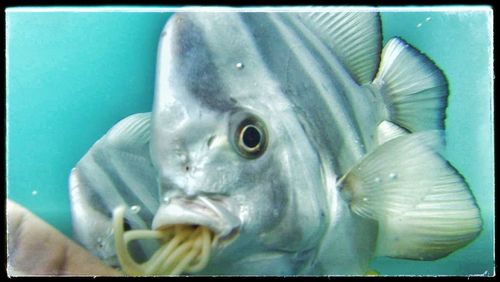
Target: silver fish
<point>302,143</point>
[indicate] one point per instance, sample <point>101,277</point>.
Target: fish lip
<point>201,210</point>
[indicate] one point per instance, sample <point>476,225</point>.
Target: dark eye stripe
<point>195,68</point>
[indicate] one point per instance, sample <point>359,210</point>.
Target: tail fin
<point>414,89</point>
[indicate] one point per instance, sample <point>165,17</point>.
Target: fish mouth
<point>215,214</point>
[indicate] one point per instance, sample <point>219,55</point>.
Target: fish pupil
<point>251,137</point>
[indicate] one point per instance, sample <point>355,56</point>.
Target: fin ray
<point>414,88</point>
<point>423,205</point>
<point>387,130</point>
<point>130,131</point>
<point>116,170</point>
<point>355,37</point>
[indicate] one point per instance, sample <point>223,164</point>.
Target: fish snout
<point>214,213</point>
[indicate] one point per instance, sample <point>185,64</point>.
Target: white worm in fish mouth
<point>184,249</point>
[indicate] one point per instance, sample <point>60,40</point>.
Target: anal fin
<point>424,207</point>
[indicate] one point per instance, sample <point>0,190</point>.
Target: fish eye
<point>250,137</point>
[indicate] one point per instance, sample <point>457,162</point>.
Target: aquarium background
<point>72,74</point>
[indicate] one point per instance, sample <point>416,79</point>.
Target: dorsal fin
<point>414,88</point>
<point>354,37</point>
<point>116,170</point>
<point>132,131</point>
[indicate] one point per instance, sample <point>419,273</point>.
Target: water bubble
<point>166,199</point>
<point>365,199</point>
<point>34,192</point>
<point>393,176</point>
<point>427,19</point>
<point>135,209</point>
<point>99,243</point>
<point>240,66</point>
<point>419,25</point>
<point>377,180</point>
<point>182,157</point>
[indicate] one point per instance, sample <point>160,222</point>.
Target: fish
<point>296,138</point>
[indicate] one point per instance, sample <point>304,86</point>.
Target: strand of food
<point>184,248</point>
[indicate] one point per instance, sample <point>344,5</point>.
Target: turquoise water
<point>73,75</point>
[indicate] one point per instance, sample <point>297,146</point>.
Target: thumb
<point>36,248</point>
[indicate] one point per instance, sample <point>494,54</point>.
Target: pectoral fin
<point>424,207</point>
